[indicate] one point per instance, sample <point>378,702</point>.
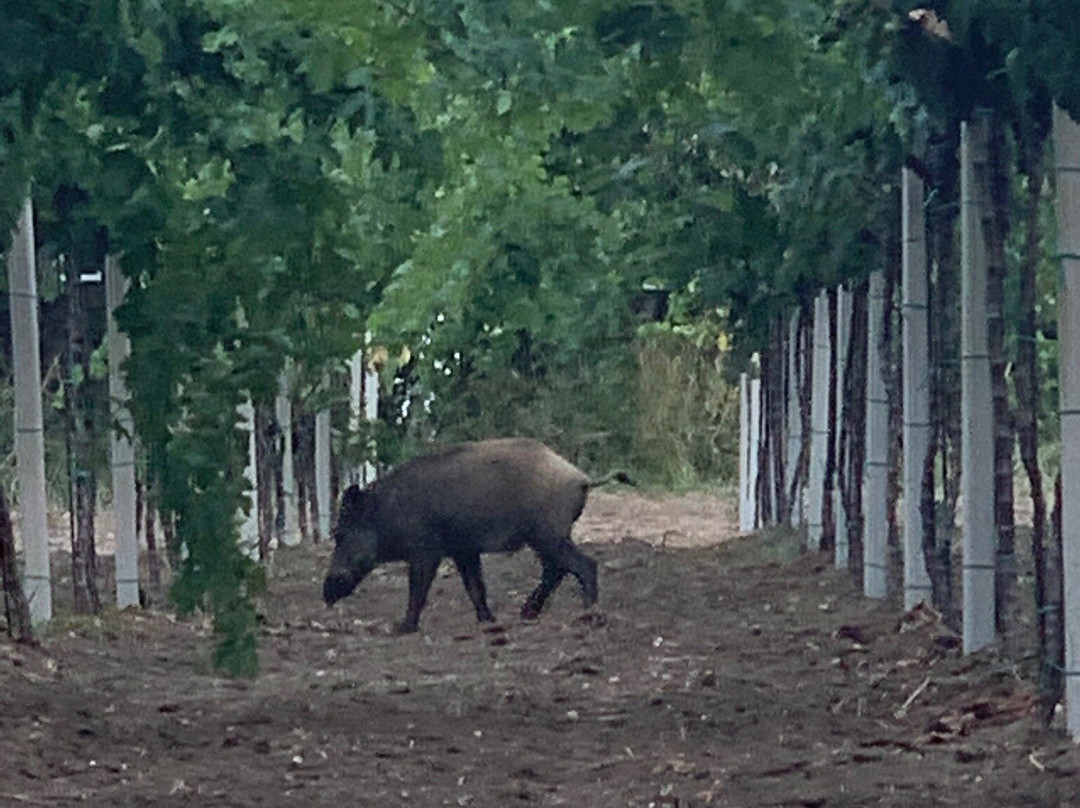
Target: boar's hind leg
<point>473,577</point>
<point>560,559</point>
<point>422,570</point>
<point>584,569</point>
<point>551,578</point>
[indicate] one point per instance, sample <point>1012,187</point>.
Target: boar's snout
<point>337,586</point>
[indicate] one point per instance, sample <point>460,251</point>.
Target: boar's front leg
<point>472,576</point>
<point>422,569</point>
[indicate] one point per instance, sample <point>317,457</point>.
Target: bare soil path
<point>716,671</point>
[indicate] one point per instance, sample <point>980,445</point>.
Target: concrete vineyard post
<point>976,407</point>
<point>290,535</point>
<point>29,431</point>
<point>843,337</point>
<point>916,385</point>
<point>875,541</point>
<point>121,445</point>
<point>371,412</point>
<point>322,472</point>
<point>794,423</point>
<point>356,474</point>
<point>363,408</point>
<point>1067,170</point>
<point>819,421</point>
<point>249,525</point>
<point>749,442</point>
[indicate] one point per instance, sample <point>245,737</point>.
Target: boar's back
<point>489,496</point>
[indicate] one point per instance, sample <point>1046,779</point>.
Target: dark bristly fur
<point>491,496</point>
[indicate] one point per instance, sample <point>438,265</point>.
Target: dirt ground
<point>715,671</point>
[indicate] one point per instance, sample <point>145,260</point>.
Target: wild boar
<point>492,496</point>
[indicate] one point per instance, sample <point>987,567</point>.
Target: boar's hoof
<point>406,627</point>
<point>530,611</point>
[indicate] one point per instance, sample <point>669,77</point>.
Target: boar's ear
<point>353,504</point>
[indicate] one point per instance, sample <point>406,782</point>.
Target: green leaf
<point>503,101</point>
<point>212,180</point>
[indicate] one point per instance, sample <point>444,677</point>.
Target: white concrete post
<point>356,474</point>
<point>121,445</point>
<point>875,485</point>
<point>322,472</point>
<point>976,406</point>
<point>371,412</point>
<point>916,384</point>
<point>249,525</point>
<point>843,328</point>
<point>819,420</point>
<point>794,422</point>
<point>746,450</point>
<point>290,536</point>
<point>1067,159</point>
<point>363,407</point>
<point>29,429</point>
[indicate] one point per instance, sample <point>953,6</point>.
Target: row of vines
<point>496,192</point>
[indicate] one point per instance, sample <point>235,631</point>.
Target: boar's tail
<point>614,477</point>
